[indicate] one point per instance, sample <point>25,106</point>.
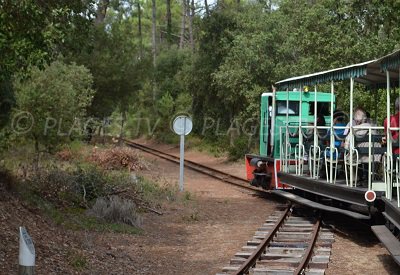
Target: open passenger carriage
<point>308,162</point>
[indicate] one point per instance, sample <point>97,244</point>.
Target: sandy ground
<point>221,219</point>
<point>198,236</point>
<point>356,250</point>
<point>195,237</point>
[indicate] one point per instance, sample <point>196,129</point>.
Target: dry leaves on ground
<point>118,158</point>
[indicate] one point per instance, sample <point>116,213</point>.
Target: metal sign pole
<point>181,164</point>
<point>182,156</point>
<point>182,126</point>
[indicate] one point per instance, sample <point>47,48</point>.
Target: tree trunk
<point>153,44</point>
<point>269,5</point>
<point>121,133</point>
<point>37,155</point>
<point>153,32</point>
<point>140,30</point>
<point>191,16</point>
<point>169,23</point>
<point>101,11</point>
<point>183,25</point>
<point>207,9</point>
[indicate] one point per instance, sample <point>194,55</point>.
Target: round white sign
<point>182,125</point>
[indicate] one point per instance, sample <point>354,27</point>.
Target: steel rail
<point>201,168</point>
<point>251,261</point>
<point>187,161</point>
<point>308,253</point>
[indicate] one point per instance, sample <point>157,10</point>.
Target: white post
<point>287,133</point>
<point>351,147</point>
<point>315,173</point>
<point>272,132</point>
<point>389,157</point>
<point>372,158</point>
<point>182,126</point>
<point>332,138</point>
<point>398,197</point>
<point>26,253</point>
<point>301,159</point>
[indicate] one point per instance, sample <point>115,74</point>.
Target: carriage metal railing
<point>391,162</point>
<point>304,158</point>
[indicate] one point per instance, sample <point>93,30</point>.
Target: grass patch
<point>214,147</point>
<point>192,217</point>
<point>75,218</point>
<point>77,260</point>
<point>84,222</point>
<point>154,193</point>
<point>187,196</point>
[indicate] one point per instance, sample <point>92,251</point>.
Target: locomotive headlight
<point>256,162</point>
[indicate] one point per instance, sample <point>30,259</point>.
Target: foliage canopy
<point>212,62</point>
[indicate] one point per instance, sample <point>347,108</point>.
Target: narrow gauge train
<point>304,161</point>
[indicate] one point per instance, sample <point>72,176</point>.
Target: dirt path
<point>356,250</point>
<point>198,236</point>
<point>203,237</point>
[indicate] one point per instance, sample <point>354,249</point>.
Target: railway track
<point>285,244</point>
<point>212,172</point>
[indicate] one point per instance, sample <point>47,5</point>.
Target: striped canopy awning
<point>391,61</point>
<point>370,73</point>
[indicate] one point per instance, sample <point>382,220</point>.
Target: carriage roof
<point>370,73</point>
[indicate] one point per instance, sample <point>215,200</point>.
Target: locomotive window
<point>281,108</point>
<point>323,108</point>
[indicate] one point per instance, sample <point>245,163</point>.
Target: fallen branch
<point>152,210</point>
<point>116,192</point>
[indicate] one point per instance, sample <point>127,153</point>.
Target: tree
<point>217,35</point>
<point>169,22</point>
<point>139,11</point>
<point>101,11</point>
<point>249,67</point>
<point>153,31</point>
<point>190,12</point>
<point>207,8</point>
<point>55,101</point>
<point>183,25</point>
<point>119,64</point>
<point>33,33</point>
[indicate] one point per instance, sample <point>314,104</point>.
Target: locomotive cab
<point>279,109</point>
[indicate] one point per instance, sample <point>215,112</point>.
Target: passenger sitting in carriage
<point>338,121</point>
<point>361,132</point>
<point>352,123</point>
<point>394,122</point>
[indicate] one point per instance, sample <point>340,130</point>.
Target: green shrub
<point>90,182</point>
<point>69,188</point>
<point>239,149</point>
<point>153,193</point>
<point>77,260</point>
<point>54,102</point>
<point>83,185</point>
